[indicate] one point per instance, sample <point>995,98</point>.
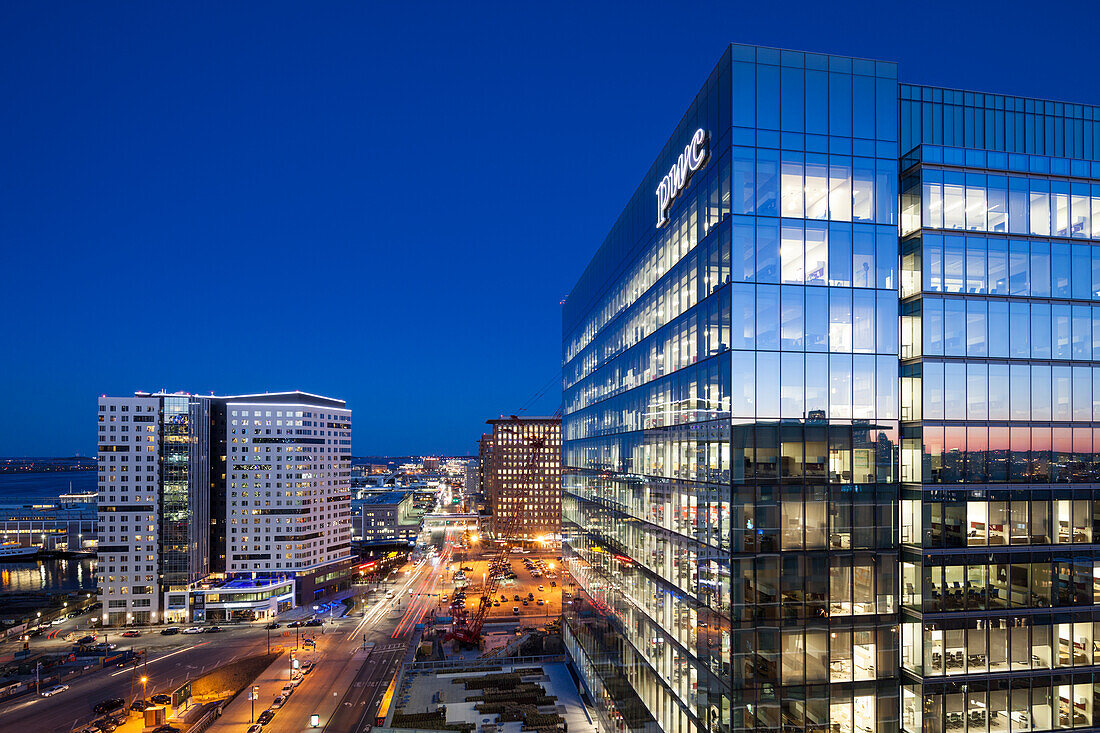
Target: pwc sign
<point>689,161</point>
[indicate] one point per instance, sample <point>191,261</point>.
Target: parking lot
<point>524,584</point>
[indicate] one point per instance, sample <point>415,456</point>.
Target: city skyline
<point>226,145</point>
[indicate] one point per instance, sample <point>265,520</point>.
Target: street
<point>171,661</point>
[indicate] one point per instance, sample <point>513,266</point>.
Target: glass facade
<point>866,291</point>
<point>184,500</point>
<point>999,204</point>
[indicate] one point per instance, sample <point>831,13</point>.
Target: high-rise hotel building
<point>830,385</point>
<point>199,487</point>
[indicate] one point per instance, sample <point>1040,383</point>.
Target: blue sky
<point>384,203</point>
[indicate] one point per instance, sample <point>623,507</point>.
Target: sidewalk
<point>237,716</point>
<point>332,672</point>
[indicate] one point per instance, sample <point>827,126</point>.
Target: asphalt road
<point>171,661</point>
<point>360,702</point>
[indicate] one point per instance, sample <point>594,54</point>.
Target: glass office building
<point>820,306</point>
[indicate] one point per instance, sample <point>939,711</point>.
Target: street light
<point>144,680</point>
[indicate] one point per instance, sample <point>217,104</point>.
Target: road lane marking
<point>171,654</point>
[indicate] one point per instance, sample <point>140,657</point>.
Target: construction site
<point>489,653</point>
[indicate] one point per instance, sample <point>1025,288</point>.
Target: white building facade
<point>288,469</point>
<point>195,490</point>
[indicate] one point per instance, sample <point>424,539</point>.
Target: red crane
<point>468,629</point>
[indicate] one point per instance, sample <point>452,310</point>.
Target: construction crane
<point>468,629</point>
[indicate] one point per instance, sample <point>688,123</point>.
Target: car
<point>85,640</point>
<point>131,634</point>
<point>315,622</point>
<point>496,603</point>
<point>443,598</point>
<point>106,725</point>
<point>525,601</point>
<point>272,625</point>
<point>287,689</point>
<point>255,728</point>
<point>278,702</point>
<point>170,631</point>
<point>295,682</point>
<point>161,699</point>
<point>467,569</point>
<point>542,589</point>
<point>516,598</point>
<point>306,667</point>
<point>540,602</point>
<point>51,691</point>
<point>553,584</point>
<point>140,705</point>
<point>265,717</point>
<point>515,610</point>
<point>118,718</point>
<point>166,729</point>
<point>295,624</point>
<point>309,642</point>
<point>213,629</point>
<point>108,706</point>
<point>193,630</point>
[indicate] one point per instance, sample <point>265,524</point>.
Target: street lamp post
<point>144,681</point>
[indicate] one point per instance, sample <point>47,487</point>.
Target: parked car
<point>287,689</point>
<point>166,729</point>
<point>193,630</point>
<point>106,725</point>
<point>140,705</point>
<point>108,706</point>
<point>255,728</point>
<point>294,624</point>
<point>309,642</point>
<point>213,629</point>
<point>272,625</point>
<point>51,691</point>
<point>307,667</point>
<point>314,622</point>
<point>540,602</point>
<point>170,631</point>
<point>161,699</point>
<point>525,602</point>
<point>515,610</point>
<point>553,584</point>
<point>265,717</point>
<point>131,634</point>
<point>84,640</point>
<point>278,702</point>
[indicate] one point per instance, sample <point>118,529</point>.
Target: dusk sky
<point>385,203</point>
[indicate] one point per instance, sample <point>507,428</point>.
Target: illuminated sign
<point>689,161</point>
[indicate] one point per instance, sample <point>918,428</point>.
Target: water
<point>55,575</point>
<point>17,489</point>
